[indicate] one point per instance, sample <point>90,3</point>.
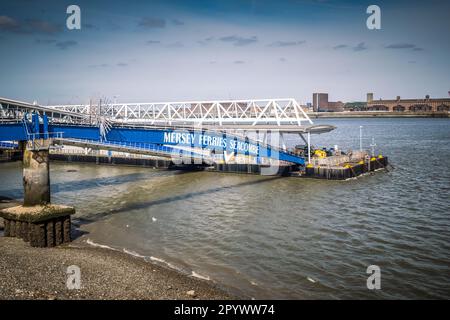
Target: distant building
<point>321,103</point>
<point>335,106</point>
<point>411,105</point>
<point>355,106</point>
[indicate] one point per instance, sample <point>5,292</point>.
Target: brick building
<point>412,105</point>
<point>321,103</point>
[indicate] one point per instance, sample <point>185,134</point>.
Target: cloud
<point>283,59</point>
<point>239,62</point>
<point>360,47</point>
<point>206,41</point>
<point>239,41</point>
<point>103,65</point>
<point>150,23</point>
<point>177,44</point>
<point>286,43</point>
<point>177,22</point>
<point>63,45</point>
<point>407,46</point>
<point>111,25</point>
<point>153,42</point>
<point>90,26</point>
<point>400,46</point>
<point>41,26</point>
<point>340,46</point>
<point>122,64</point>
<point>28,26</point>
<point>9,24</point>
<point>234,39</point>
<point>45,41</point>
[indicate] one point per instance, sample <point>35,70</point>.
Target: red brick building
<point>321,103</point>
<point>412,105</point>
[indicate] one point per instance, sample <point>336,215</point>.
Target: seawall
<point>378,114</point>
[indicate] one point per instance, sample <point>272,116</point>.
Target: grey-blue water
<point>271,237</point>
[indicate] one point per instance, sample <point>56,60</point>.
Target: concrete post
<point>36,177</point>
<point>309,147</point>
<point>38,221</point>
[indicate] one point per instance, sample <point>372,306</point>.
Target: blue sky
<point>208,49</point>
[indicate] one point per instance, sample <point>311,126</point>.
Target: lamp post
<point>373,145</point>
<point>309,147</point>
<point>360,138</point>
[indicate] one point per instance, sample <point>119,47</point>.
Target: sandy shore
<point>40,273</point>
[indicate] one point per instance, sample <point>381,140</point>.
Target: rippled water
<point>271,237</point>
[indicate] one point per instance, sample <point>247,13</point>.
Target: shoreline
<point>41,273</point>
<point>377,114</point>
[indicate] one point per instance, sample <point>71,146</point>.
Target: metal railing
<point>46,135</point>
<point>133,146</point>
<point>8,145</point>
<point>80,151</point>
<point>42,141</point>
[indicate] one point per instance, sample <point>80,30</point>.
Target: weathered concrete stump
<point>37,221</point>
<point>36,177</point>
<point>42,226</point>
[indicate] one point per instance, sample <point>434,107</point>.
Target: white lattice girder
<point>13,109</point>
<point>271,111</point>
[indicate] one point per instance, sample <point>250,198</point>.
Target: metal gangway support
<point>151,149</point>
<point>216,113</point>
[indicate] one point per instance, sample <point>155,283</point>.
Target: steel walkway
<point>151,123</point>
<point>135,148</point>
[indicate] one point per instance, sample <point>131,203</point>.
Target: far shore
<point>378,114</point>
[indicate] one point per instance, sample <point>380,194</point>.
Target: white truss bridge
<point>251,112</point>
<point>284,115</point>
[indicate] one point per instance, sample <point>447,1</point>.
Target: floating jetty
<point>324,168</point>
<point>333,167</point>
<point>282,170</point>
<point>347,170</point>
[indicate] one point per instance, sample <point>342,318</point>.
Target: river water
<point>272,237</point>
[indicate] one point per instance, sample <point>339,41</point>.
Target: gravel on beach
<point>41,273</point>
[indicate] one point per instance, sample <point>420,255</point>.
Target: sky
<point>155,51</point>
